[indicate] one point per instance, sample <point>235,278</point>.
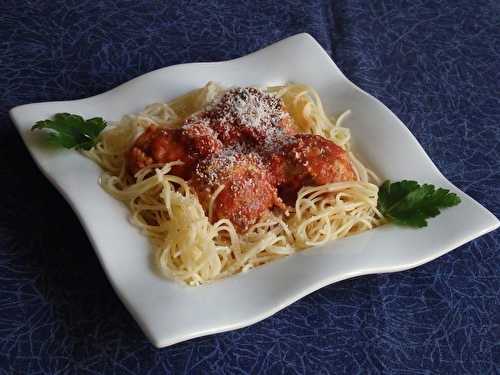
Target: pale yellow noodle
<point>188,247</point>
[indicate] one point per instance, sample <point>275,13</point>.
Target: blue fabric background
<point>435,63</point>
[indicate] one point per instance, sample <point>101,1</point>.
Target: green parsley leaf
<point>72,131</point>
<point>411,204</point>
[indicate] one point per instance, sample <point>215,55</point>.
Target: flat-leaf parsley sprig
<point>72,131</point>
<point>410,204</point>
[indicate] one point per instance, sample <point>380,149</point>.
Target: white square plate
<point>168,312</point>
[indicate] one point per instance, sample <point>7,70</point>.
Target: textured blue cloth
<point>435,63</point>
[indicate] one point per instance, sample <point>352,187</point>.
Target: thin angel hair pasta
<point>188,246</point>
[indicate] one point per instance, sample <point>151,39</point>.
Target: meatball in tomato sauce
<point>247,195</point>
<point>310,160</point>
<point>158,145</point>
<point>201,138</point>
<point>248,115</point>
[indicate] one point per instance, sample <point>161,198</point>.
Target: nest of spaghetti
<point>225,180</point>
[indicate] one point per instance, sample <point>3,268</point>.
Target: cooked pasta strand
<point>187,245</point>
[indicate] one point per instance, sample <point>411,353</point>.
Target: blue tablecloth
<point>436,64</point>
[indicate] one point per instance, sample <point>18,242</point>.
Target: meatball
<point>247,195</point>
<point>158,145</point>
<point>310,160</point>
<point>201,137</point>
<point>248,115</point>
<point>228,132</point>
